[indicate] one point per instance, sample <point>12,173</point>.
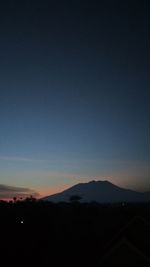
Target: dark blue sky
<point>74,93</point>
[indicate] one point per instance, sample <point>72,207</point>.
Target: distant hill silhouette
<point>101,192</point>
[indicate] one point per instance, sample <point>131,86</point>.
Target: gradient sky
<point>74,94</point>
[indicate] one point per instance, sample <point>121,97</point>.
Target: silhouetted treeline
<point>72,234</point>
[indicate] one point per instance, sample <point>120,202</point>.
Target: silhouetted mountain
<point>101,192</point>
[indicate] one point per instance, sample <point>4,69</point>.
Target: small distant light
<point>22,222</point>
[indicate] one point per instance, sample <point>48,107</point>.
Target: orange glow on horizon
<point>52,190</point>
<point>43,192</point>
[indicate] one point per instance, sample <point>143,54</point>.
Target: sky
<point>74,95</point>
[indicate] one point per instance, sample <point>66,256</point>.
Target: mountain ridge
<point>99,191</point>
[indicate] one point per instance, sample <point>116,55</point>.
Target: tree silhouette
<point>14,199</point>
<point>30,199</point>
<point>75,198</point>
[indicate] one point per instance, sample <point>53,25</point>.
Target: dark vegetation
<point>70,234</point>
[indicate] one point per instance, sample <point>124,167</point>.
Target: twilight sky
<point>74,94</point>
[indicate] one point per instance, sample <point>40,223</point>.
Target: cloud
<point>20,159</point>
<point>8,192</point>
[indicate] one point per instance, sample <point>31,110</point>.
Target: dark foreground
<point>46,234</point>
